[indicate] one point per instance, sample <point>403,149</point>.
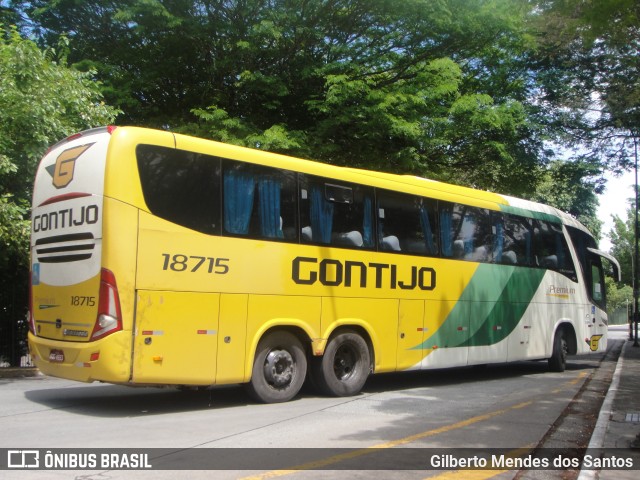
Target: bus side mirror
<point>612,260</point>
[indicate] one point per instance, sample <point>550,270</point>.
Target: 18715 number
<point>80,301</point>
<point>193,263</point>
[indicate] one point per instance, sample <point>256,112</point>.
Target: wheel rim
<point>345,362</point>
<point>279,368</point>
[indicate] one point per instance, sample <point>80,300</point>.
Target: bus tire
<point>558,359</point>
<point>344,367</point>
<point>279,368</point>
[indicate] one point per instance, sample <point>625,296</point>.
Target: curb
<point>600,430</point>
<point>19,372</point>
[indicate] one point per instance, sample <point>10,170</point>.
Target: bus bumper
<point>106,360</point>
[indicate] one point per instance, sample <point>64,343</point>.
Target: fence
<point>619,316</point>
<point>13,343</point>
<point>14,297</point>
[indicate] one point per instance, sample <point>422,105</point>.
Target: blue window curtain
<point>321,215</point>
<point>425,224</point>
<point>367,223</point>
<point>269,211</point>
<point>446,230</point>
<point>238,201</point>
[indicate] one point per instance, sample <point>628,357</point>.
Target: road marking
<point>580,376</point>
<point>394,443</point>
<point>474,475</point>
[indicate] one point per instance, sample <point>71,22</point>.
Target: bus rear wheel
<point>558,359</point>
<point>344,367</point>
<point>279,368</point>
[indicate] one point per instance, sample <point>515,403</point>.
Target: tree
<point>622,238</point>
<point>570,186</point>
<point>474,92</point>
<point>439,89</point>
<point>41,101</point>
<point>591,52</point>
<point>618,296</point>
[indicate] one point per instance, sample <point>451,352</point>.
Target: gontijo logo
<point>593,342</point>
<point>62,171</point>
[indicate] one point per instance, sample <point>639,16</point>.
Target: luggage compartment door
<point>176,337</point>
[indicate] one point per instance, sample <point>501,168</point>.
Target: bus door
<point>596,316</point>
<point>176,337</point>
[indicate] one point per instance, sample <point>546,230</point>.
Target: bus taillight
<point>30,315</point>
<point>109,319</point>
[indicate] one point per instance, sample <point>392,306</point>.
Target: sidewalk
<point>619,420</point>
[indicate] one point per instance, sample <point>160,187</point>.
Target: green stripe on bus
<point>489,308</point>
<point>508,310</point>
<point>523,212</point>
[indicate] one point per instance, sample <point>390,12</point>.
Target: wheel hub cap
<point>278,368</point>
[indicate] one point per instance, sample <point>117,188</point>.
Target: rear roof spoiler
<point>612,259</point>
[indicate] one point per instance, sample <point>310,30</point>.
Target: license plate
<point>56,356</point>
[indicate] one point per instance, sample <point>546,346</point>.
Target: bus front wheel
<point>344,367</point>
<point>558,359</point>
<point>279,368</point>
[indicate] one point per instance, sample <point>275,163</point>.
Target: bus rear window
<point>182,187</point>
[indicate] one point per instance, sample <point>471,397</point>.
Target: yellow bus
<point>163,259</point>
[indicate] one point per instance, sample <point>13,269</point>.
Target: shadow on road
<point>116,401</point>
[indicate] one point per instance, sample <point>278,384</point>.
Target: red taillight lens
<point>30,315</point>
<point>109,319</point>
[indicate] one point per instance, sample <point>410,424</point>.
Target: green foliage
<point>41,101</point>
<point>592,71</point>
<point>618,296</point>
<point>622,240</point>
<point>14,231</point>
<point>473,92</point>
<point>436,88</point>
<point>569,186</point>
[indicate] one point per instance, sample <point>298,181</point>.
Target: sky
<point>614,202</point>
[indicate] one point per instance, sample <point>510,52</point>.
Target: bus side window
<point>258,201</point>
<point>597,284</point>
<point>551,249</point>
<point>406,223</point>
<point>516,243</point>
<point>466,232</point>
<point>566,265</point>
<point>335,214</point>
<point>181,187</point>
<point>596,281</point>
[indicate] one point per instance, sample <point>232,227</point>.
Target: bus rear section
<point>75,317</point>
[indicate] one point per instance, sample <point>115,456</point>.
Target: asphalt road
<point>508,406</point>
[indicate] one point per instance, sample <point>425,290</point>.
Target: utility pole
<point>635,251</point>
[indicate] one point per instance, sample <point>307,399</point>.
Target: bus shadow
<point>103,400</point>
<point>122,401</point>
<point>450,376</point>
